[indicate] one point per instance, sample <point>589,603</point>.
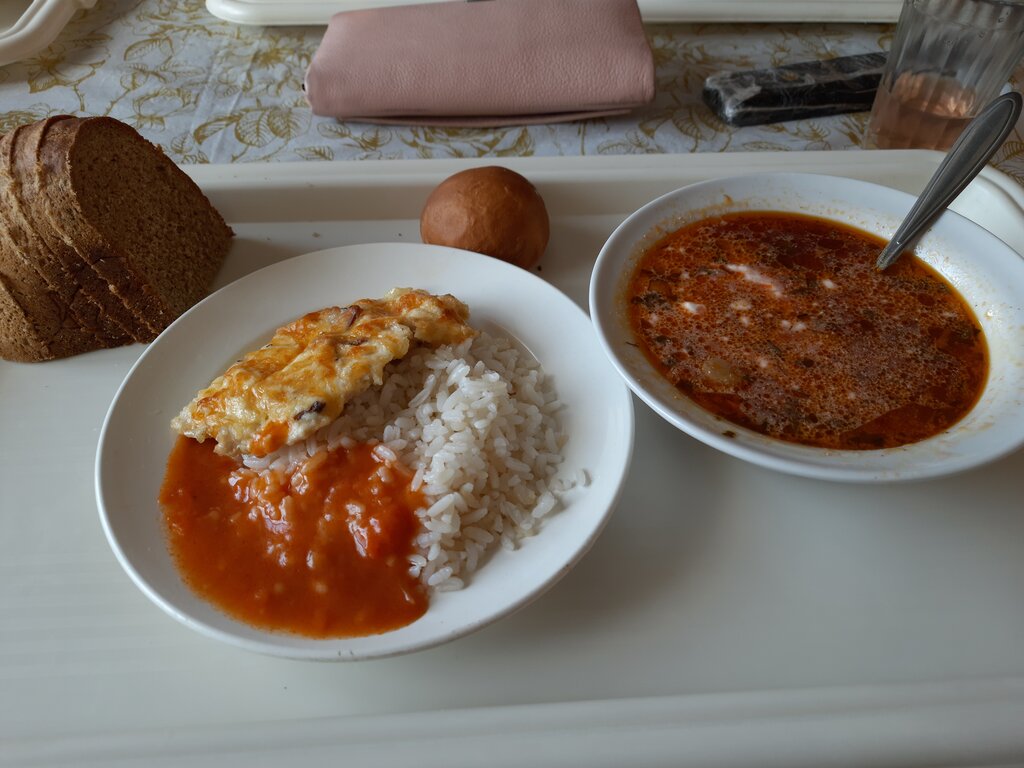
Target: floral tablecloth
<point>210,91</point>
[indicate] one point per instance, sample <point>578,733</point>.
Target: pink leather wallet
<point>495,62</point>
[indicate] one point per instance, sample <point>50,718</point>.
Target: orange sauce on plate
<point>780,323</point>
<point>322,551</point>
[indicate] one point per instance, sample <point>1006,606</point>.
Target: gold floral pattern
<point>212,91</point>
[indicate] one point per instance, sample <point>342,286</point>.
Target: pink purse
<point>496,62</point>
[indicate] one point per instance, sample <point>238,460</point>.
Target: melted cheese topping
<point>287,390</point>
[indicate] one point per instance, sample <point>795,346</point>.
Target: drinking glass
<point>949,59</point>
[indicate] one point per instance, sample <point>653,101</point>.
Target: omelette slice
<point>285,391</point>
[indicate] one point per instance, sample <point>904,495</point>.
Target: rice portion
<point>477,424</point>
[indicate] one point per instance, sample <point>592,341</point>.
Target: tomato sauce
<point>321,551</point>
<point>780,323</point>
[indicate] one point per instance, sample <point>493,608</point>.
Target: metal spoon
<point>965,159</point>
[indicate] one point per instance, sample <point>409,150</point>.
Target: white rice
<point>477,424</point>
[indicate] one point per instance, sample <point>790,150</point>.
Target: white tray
<point>28,26</point>
<point>727,616</point>
<point>285,12</point>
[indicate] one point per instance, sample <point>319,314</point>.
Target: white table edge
<point>905,725</point>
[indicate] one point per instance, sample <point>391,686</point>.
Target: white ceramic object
<point>288,12</point>
<point>984,270</point>
<point>27,27</point>
<point>136,437</point>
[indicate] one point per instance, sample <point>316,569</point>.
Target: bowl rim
<point>756,448</point>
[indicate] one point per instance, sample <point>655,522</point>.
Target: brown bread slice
<point>120,321</point>
<point>19,338</point>
<point>36,324</point>
<point>23,221</point>
<point>140,222</point>
<point>95,304</point>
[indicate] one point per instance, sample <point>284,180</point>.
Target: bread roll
<point>489,210</point>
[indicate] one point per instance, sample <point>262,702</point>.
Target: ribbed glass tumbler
<point>949,59</point>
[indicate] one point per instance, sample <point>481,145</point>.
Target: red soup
<point>780,323</point>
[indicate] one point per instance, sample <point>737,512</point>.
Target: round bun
<point>489,210</point>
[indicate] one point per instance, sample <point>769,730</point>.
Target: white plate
<point>28,26</point>
<point>136,437</point>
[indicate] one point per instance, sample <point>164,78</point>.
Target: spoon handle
<point>965,159</point>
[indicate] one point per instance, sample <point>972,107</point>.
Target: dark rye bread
<point>88,297</point>
<point>102,239</point>
<point>133,215</point>
<point>19,338</point>
<point>22,219</point>
<point>43,324</point>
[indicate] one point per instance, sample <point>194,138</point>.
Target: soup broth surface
<point>780,323</point>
